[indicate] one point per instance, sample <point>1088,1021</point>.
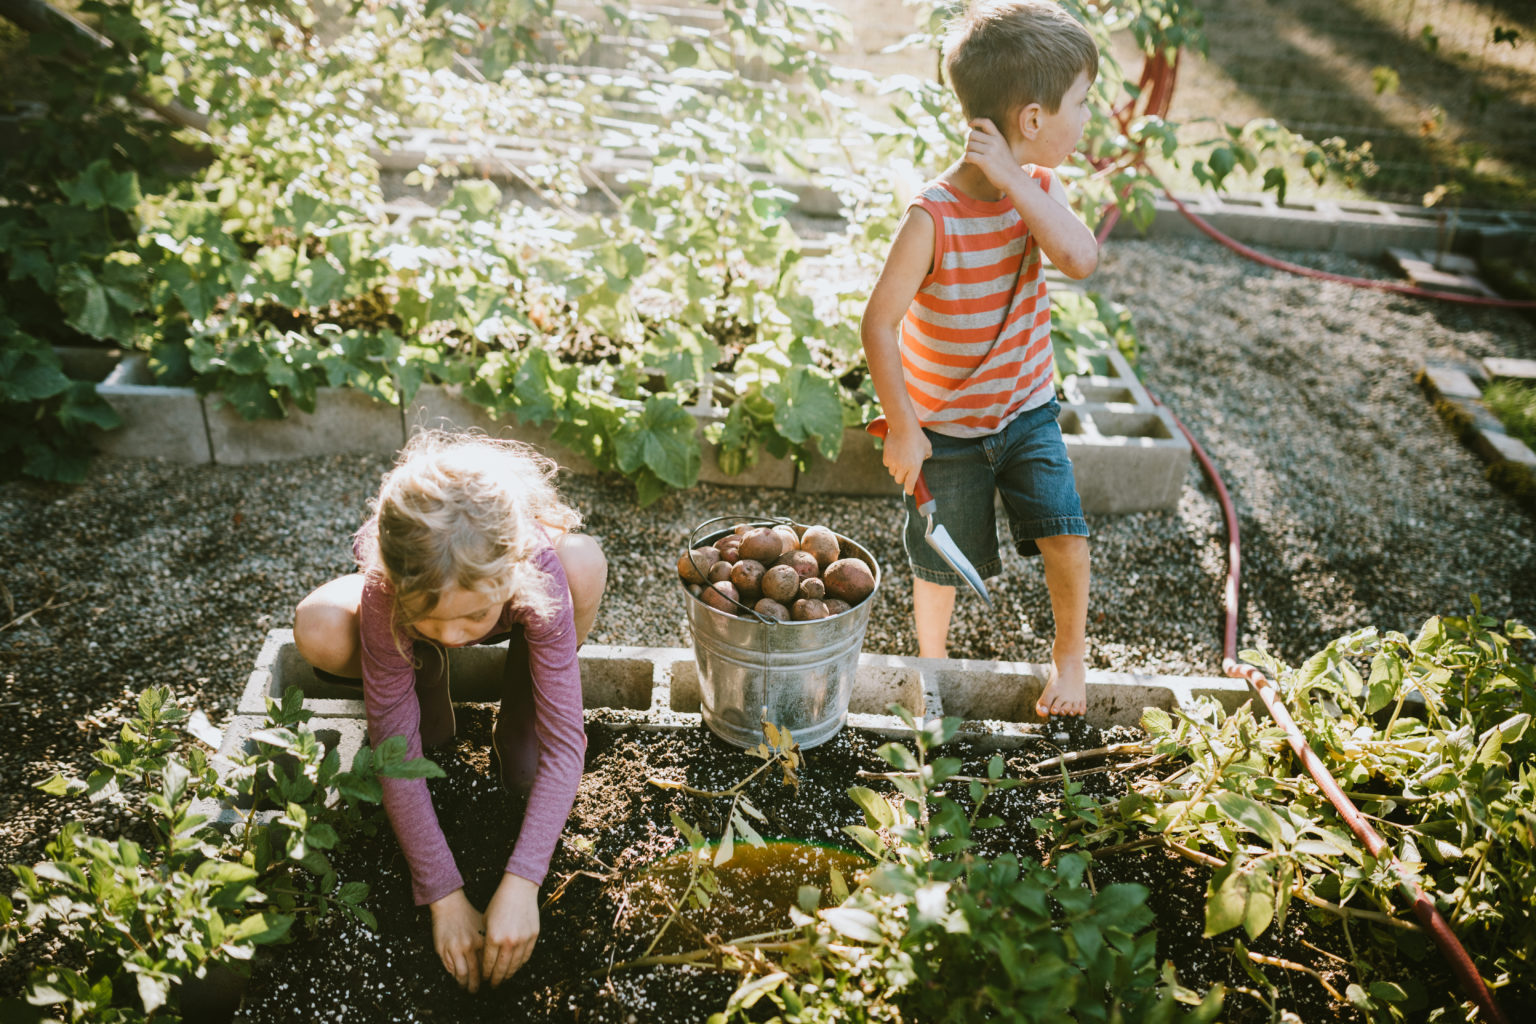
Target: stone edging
<point>657,688</point>
<point>1363,228</point>
<point>1127,452</point>
<point>1457,396</point>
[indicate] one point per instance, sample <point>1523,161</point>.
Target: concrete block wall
<point>658,688</point>
<point>1362,228</point>
<point>1127,452</point>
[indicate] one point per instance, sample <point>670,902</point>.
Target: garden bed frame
<point>657,688</point>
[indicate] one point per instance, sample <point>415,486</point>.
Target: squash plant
<point>641,267</point>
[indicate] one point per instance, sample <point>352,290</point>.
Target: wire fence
<point>1442,91</point>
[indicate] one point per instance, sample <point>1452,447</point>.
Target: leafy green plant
<point>935,932</point>
<point>139,915</point>
<point>1430,737</point>
<point>1514,403</point>
<point>640,275</point>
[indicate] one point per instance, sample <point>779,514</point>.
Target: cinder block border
<point>1127,453</point>
<point>1457,397</point>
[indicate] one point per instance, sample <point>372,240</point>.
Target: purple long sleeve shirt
<point>389,695</point>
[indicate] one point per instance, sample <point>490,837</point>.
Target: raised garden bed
<point>1127,452</point>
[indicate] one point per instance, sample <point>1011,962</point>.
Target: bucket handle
<point>693,537</point>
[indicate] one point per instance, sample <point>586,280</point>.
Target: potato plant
<point>139,915</point>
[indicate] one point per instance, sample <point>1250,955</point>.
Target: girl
<point>468,543</point>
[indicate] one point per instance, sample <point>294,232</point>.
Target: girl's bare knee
<point>325,628</point>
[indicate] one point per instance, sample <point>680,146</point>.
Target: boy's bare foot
<point>1066,692</point>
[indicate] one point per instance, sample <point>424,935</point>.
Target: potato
<point>822,543</point>
<point>747,577</point>
<point>729,548</point>
<point>720,596</point>
<point>803,562</point>
<point>849,579</point>
<point>741,529</point>
<point>836,607</point>
<point>703,558</point>
<point>808,608</point>
<point>790,538</point>
<point>762,545</point>
<point>813,588</point>
<point>721,570</point>
<point>772,609</point>
<point>781,583</point>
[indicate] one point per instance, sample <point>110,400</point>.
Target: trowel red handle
<point>924,497</point>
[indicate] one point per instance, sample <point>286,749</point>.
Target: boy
<point>957,331</point>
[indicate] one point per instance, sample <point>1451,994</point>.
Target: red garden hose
<point>1156,86</point>
<point>1423,907</point>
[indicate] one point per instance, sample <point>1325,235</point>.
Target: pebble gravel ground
<point>1357,507</point>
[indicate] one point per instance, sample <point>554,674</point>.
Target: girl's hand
<point>458,932</point>
<point>511,928</point>
<point>989,152</point>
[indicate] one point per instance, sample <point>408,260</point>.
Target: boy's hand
<point>458,932</point>
<point>511,927</point>
<point>904,455</point>
<point>989,152</point>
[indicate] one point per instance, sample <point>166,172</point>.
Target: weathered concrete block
<point>1448,382</point>
<point>858,470</point>
<point>1497,366</point>
<point>1497,446</point>
<point>614,677</point>
<point>344,420</point>
<point>1125,461</point>
<point>158,422</point>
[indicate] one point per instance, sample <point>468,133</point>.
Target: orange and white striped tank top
<point>976,341</point>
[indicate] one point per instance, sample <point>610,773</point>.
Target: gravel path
<point>1356,505</point>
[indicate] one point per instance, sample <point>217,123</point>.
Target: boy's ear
<point>1027,120</point>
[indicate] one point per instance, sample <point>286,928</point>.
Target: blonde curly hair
<point>463,509</point>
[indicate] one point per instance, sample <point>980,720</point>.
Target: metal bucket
<point>797,675</point>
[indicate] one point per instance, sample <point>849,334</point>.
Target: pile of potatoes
<point>777,574</point>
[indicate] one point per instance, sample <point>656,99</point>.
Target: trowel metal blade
<point>940,540</point>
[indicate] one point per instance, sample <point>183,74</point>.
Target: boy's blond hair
<point>467,510</point>
<point>1002,55</point>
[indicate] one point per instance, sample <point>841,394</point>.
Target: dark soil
<point>600,909</point>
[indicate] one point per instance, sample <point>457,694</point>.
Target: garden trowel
<point>937,537</point>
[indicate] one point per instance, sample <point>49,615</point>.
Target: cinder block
<point>858,470</point>
<point>1496,366</point>
<point>1007,692</point>
<point>1448,382</point>
<point>344,420</point>
<point>1130,461</point>
<point>158,422</point>
<point>766,472</point>
<point>615,677</point>
<point>1497,446</point>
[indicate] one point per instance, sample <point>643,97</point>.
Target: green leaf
<point>154,989</point>
<point>727,846</point>
<point>873,805</point>
<point>1226,905</point>
<point>662,439</point>
<point>1251,814</point>
<point>745,997</point>
<point>853,923</point>
<point>807,408</point>
<point>262,929</point>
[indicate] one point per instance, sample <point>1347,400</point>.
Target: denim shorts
<point>1026,462</point>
